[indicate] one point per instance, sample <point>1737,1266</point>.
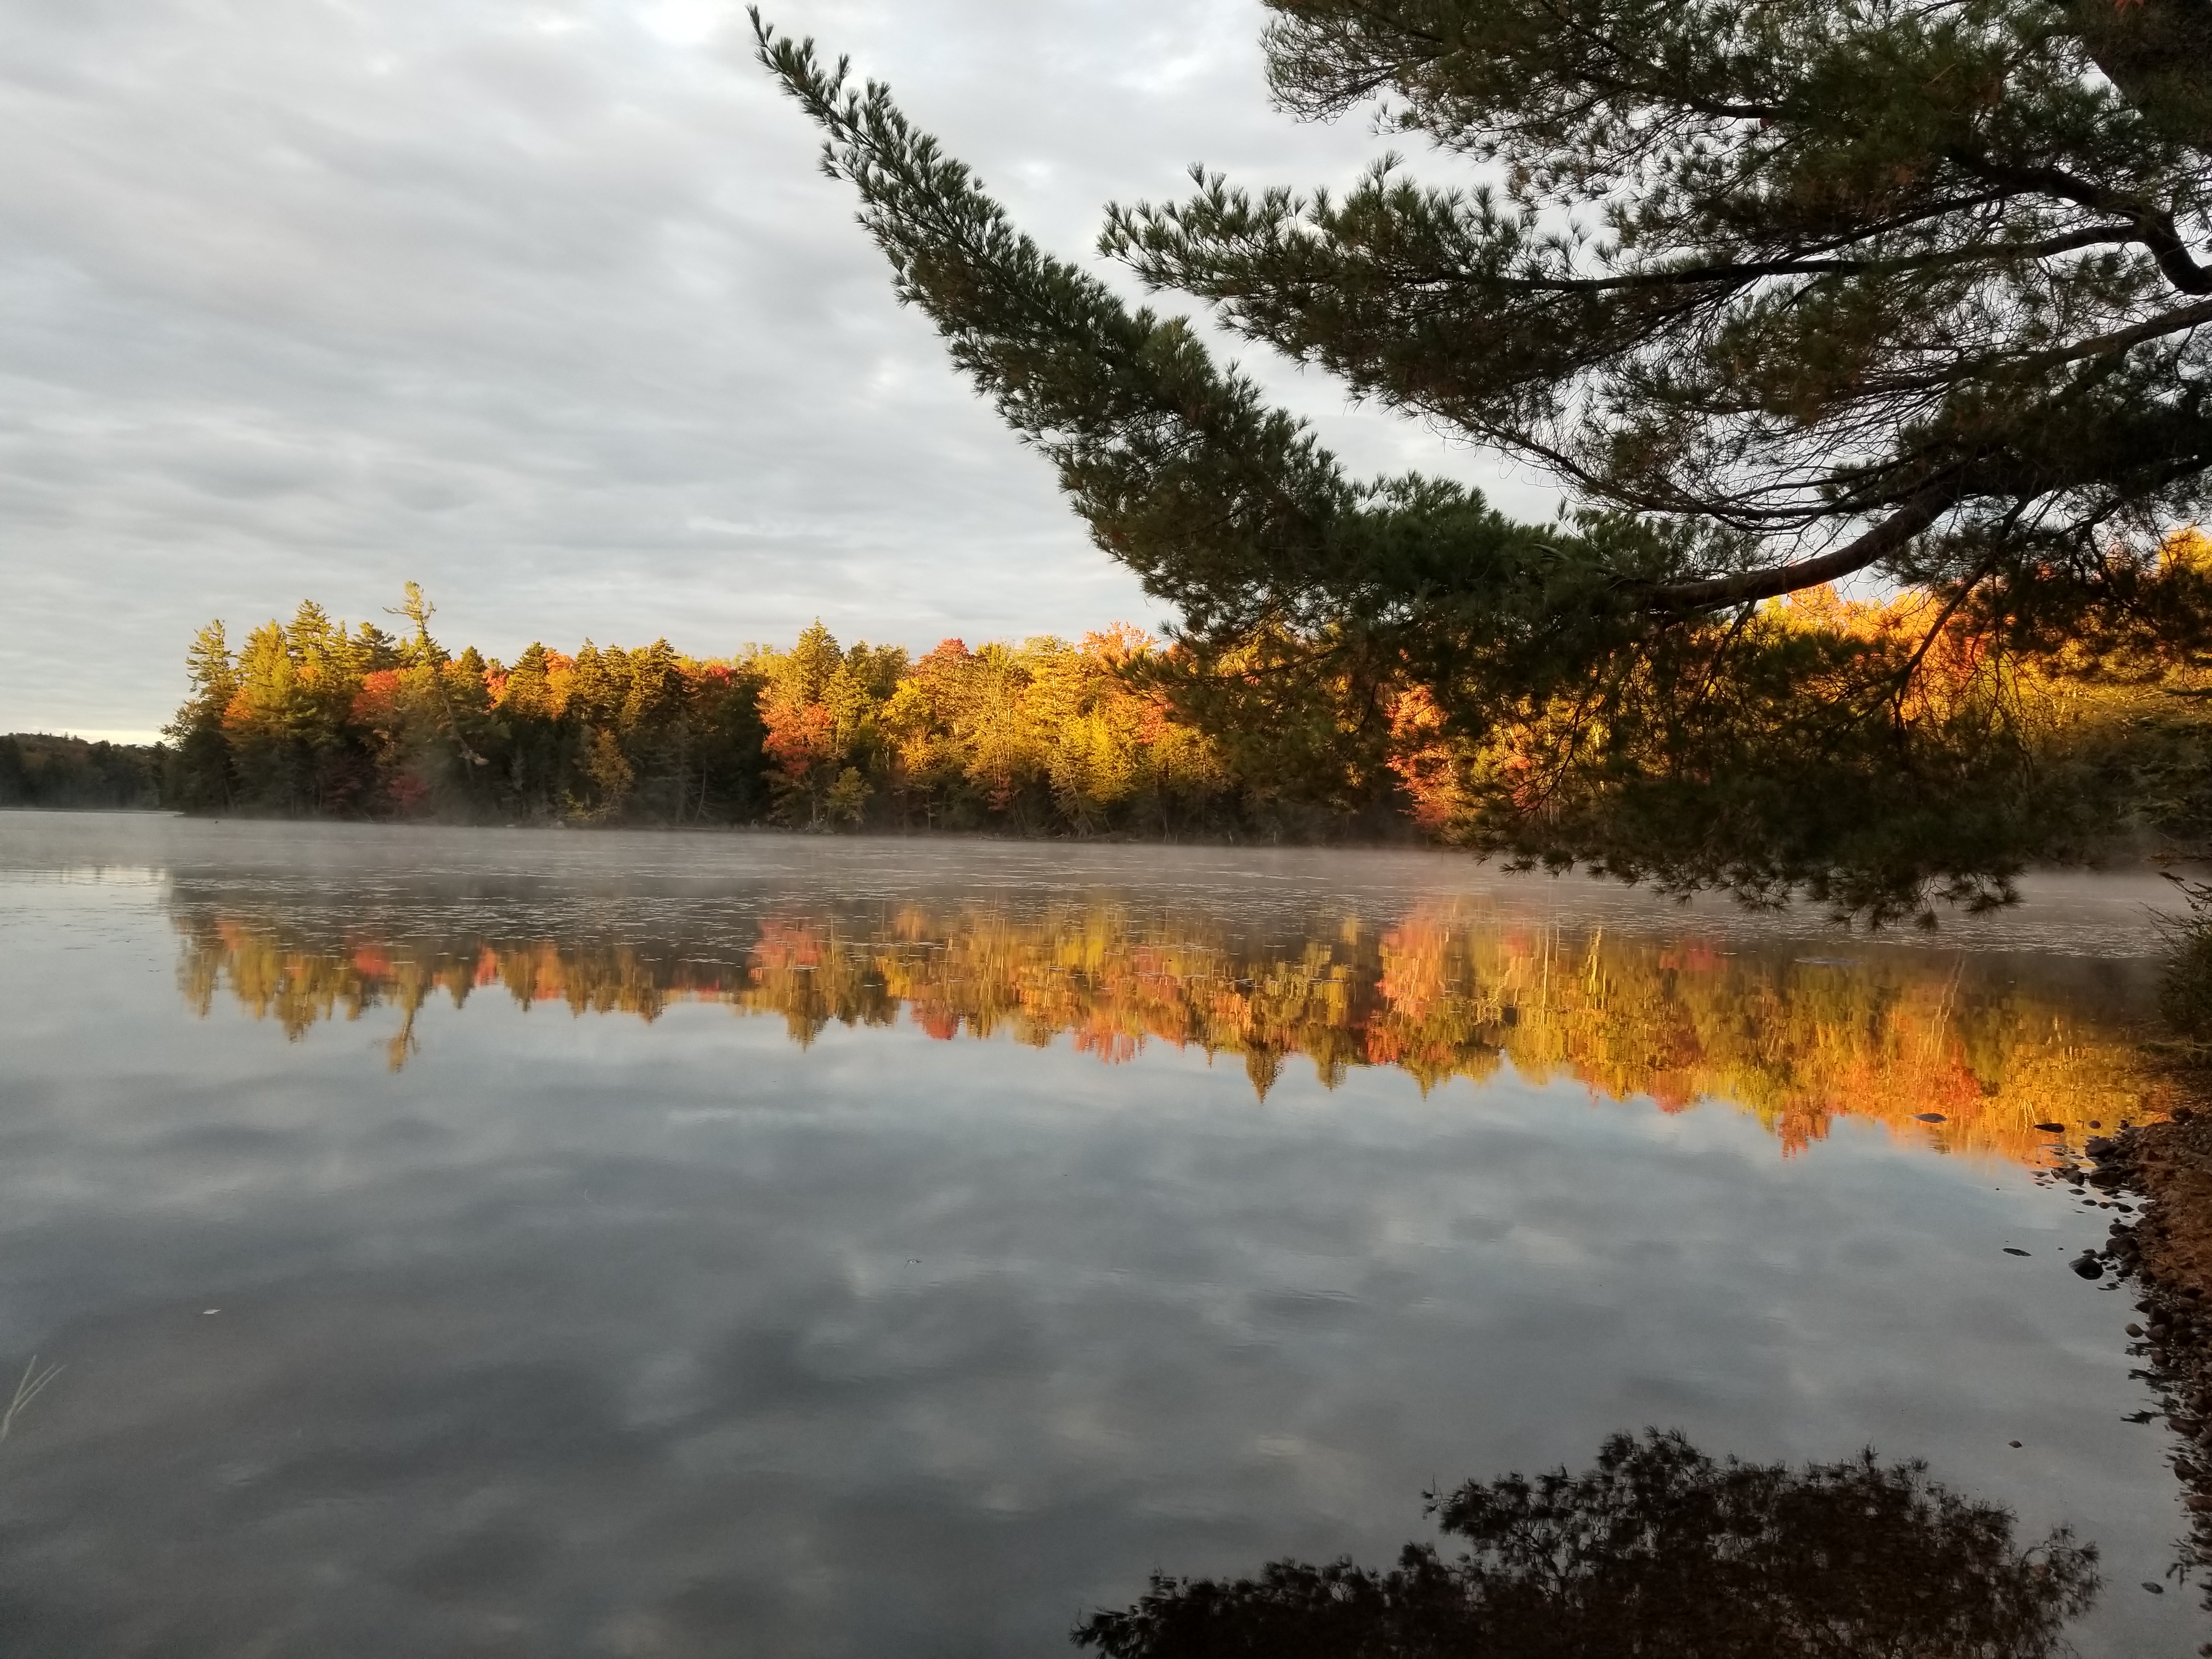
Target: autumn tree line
<point>1117,735</point>
<point>314,718</point>
<point>1122,735</point>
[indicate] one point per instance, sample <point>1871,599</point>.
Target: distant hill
<point>38,769</point>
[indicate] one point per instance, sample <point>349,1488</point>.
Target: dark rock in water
<point>2156,1589</point>
<point>2135,1330</point>
<point>2012,1250</point>
<point>1931,1117</point>
<point>2014,1444</point>
<point>2051,1128</point>
<point>2098,1147</point>
<point>2087,1265</point>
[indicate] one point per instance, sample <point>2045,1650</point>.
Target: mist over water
<point>576,1243</point>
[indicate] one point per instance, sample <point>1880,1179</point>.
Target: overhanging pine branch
<point>1744,587</point>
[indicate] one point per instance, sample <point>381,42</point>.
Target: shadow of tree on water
<point>1659,1551</point>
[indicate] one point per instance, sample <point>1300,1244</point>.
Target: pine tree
<point>531,709</point>
<point>199,767</point>
<point>1781,291</point>
<point>657,732</point>
<point>262,723</point>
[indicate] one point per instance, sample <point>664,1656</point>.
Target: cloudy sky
<point>544,304</point>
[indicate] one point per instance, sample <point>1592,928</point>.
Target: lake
<point>545,1243</point>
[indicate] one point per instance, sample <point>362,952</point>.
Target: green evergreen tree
<point>199,769</point>
<point>602,776</point>
<point>263,723</point>
<point>538,747</point>
<point>724,704</point>
<point>480,740</point>
<point>657,733</point>
<point>1781,291</point>
<point>593,692</point>
<point>810,665</point>
<point>334,769</point>
<point>375,652</point>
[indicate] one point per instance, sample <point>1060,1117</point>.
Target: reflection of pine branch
<point>29,1387</point>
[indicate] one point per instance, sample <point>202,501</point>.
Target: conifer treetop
<point>1809,288</point>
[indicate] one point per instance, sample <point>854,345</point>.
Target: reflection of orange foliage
<point>1438,994</point>
<point>1415,963</point>
<point>784,945</point>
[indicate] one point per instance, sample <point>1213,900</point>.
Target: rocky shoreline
<point>2165,1252</point>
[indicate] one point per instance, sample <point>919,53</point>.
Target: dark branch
<point>1890,536</point>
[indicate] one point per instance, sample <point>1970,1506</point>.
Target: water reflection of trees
<point>1657,1550</point>
<point>1893,1034</point>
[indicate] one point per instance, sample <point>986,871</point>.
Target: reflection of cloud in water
<point>588,1336</point>
<point>1942,1046</point>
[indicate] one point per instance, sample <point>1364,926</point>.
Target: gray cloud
<point>546,306</point>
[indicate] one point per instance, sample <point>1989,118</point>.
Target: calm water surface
<point>537,1243</point>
